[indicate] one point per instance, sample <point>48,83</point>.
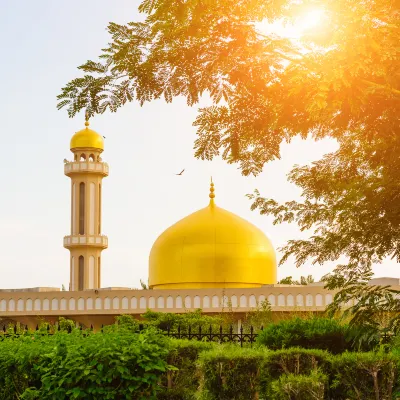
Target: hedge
<point>314,333</point>
<point>109,365</point>
<point>366,376</point>
<point>293,362</point>
<point>182,382</point>
<point>300,387</point>
<point>297,374</point>
<point>230,373</point>
<point>120,364</point>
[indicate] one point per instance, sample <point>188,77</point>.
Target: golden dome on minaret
<point>212,248</point>
<point>87,138</point>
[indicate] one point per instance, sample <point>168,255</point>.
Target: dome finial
<point>211,195</point>
<point>87,116</point>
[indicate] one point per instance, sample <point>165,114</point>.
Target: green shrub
<point>117,364</point>
<point>296,361</point>
<point>292,362</point>
<point>315,333</point>
<point>18,357</point>
<point>300,387</point>
<point>182,383</point>
<point>230,373</point>
<point>193,319</point>
<point>366,376</point>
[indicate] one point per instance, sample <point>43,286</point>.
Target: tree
<point>374,310</point>
<point>304,280</point>
<point>265,89</point>
<point>341,82</point>
<point>144,285</point>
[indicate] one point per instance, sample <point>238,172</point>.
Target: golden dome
<point>212,248</point>
<point>87,138</point>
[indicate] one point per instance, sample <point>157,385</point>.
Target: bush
<point>299,387</point>
<point>293,362</point>
<point>182,383</point>
<point>193,319</point>
<point>110,365</point>
<point>230,373</point>
<point>315,333</point>
<point>296,361</point>
<point>366,376</point>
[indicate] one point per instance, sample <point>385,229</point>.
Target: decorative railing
<point>138,301</point>
<point>94,240</point>
<point>86,166</point>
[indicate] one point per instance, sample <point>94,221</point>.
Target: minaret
<point>86,242</point>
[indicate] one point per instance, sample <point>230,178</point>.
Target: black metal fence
<point>240,336</point>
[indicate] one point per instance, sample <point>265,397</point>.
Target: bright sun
<point>309,20</point>
<point>302,24</point>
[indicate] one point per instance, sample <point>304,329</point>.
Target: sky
<point>42,44</point>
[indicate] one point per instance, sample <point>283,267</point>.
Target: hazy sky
<point>42,44</point>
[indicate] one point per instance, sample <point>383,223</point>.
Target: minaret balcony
<point>77,167</point>
<point>99,241</point>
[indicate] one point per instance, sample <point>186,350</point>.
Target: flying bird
<point>104,137</point>
<point>180,173</point>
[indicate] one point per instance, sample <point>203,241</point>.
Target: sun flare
<point>304,23</point>
<point>309,20</point>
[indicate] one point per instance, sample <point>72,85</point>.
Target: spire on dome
<point>87,116</point>
<point>211,195</point>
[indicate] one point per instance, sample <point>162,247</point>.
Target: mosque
<point>211,259</point>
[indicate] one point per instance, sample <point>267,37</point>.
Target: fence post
<point>241,336</point>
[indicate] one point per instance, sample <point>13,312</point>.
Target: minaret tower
<point>85,241</point>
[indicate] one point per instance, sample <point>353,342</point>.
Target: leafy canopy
<point>264,88</point>
<point>341,81</point>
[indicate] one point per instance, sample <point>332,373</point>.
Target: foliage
<point>182,382</point>
<point>66,324</point>
<point>300,387</point>
<point>110,365</point>
<point>341,82</point>
<point>349,201</point>
<point>304,280</point>
<point>270,88</point>
<point>296,361</point>
<point>366,376</point>
<point>193,319</point>
<point>314,333</point>
<point>260,316</point>
<point>230,373</point>
<point>125,321</point>
<point>292,362</point>
<point>144,285</point>
<point>373,310</point>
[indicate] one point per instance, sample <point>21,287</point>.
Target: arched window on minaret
<point>98,272</point>
<point>81,208</point>
<point>81,272</point>
<point>99,226</point>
